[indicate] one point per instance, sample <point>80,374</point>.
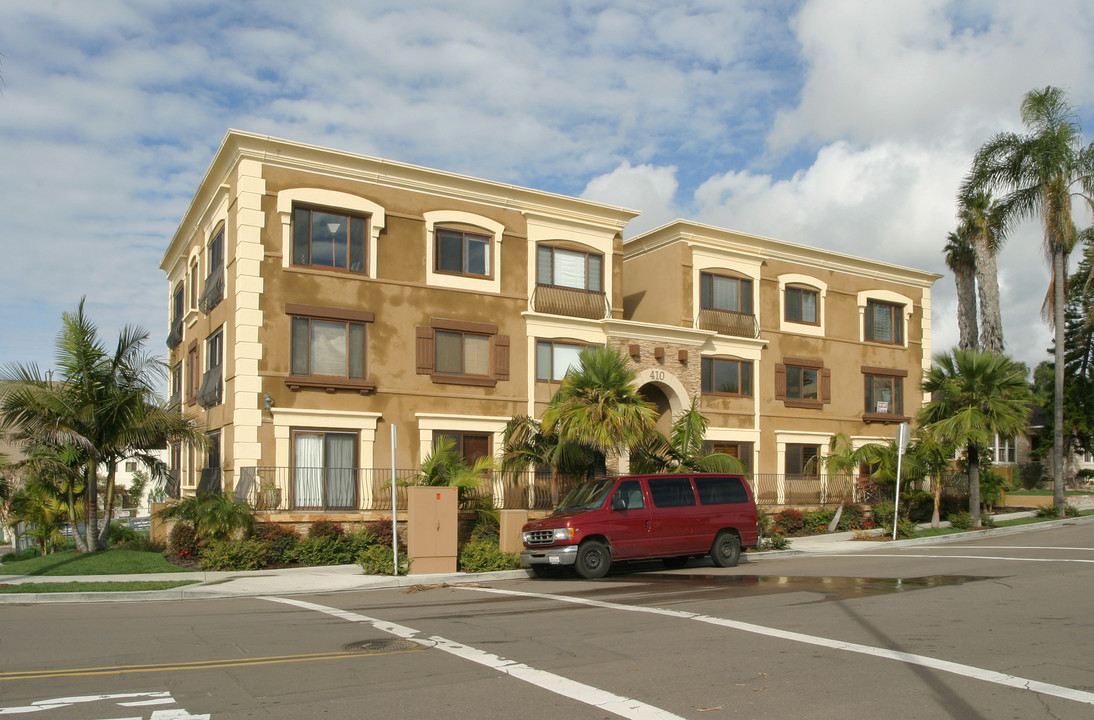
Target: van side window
<point>630,492</point>
<point>671,492</point>
<point>720,490</point>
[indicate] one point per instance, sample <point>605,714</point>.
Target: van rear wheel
<point>726,551</point>
<point>593,560</point>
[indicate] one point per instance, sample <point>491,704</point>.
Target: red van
<point>633,517</point>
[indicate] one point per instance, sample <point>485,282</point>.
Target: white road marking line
<point>969,671</point>
<point>1012,547</point>
<point>64,702</point>
<point>976,557</point>
<point>610,702</point>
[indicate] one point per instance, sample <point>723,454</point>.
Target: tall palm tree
<point>1039,173</point>
<point>975,395</point>
<point>684,450</point>
<point>102,405</point>
<point>598,404</point>
<point>980,226</point>
<point>961,260</point>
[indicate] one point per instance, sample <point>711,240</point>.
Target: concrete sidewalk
<point>341,578</point>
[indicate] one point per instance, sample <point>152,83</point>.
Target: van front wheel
<point>593,560</point>
<point>726,550</point>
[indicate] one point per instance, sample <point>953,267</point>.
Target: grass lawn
<point>109,562</point>
<point>57,587</point>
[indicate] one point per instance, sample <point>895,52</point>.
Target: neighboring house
<point>319,298</point>
<point>124,474</point>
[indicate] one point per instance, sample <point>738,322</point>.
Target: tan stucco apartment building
<point>318,298</point>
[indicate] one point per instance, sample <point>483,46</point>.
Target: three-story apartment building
<point>319,298</point>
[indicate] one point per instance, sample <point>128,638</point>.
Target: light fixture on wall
<point>267,400</point>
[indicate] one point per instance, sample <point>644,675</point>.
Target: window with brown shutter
<point>803,383</point>
<point>460,352</point>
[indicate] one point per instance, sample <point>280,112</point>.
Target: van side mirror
<point>617,502</point>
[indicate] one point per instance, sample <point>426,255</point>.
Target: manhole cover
<point>381,646</point>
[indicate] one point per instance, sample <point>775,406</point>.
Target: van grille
<point>540,537</point>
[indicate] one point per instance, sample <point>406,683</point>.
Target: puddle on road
<point>832,588</point>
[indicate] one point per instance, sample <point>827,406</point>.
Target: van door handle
<point>647,526</point>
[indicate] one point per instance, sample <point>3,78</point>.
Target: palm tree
<point>41,508</point>
<point>975,395</point>
<point>444,467</point>
<point>525,445</point>
<point>684,450</point>
<point>961,260</point>
<point>980,226</point>
<point>102,406</point>
<point>598,405</point>
<point>216,516</point>
<point>1040,173</point>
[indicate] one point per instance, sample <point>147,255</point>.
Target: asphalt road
<point>993,628</point>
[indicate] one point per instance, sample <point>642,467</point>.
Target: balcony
<point>728,322</point>
<point>171,486</point>
<point>557,300</point>
<point>214,291</point>
<point>174,338</point>
<point>210,481</point>
<point>212,387</point>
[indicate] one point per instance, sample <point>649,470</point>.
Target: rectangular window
<point>884,393</point>
<point>554,359</point>
<point>671,492</point>
<point>211,391</point>
<point>177,304</point>
<point>1004,450</point>
<point>328,347</point>
<point>214,281</point>
<point>329,239</point>
<point>468,445</point>
<point>460,352</point>
<point>740,450</point>
<point>130,467</point>
<point>462,253</point>
<point>210,481</point>
<point>194,285</point>
<point>325,470</point>
<point>801,305</point>
<point>193,373</point>
<point>569,268</point>
<point>802,383</point>
<point>176,384</point>
<point>801,459</point>
<point>726,377</point>
<point>720,490</point>
<point>718,292</point>
<point>884,322</point>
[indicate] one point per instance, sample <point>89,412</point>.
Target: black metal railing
<point>728,322</point>
<point>345,489</point>
<point>571,302</point>
<point>174,337</point>
<point>210,481</point>
<point>212,387</point>
<point>214,291</point>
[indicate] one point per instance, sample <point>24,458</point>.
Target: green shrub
<point>1071,511</point>
<point>992,485</point>
<point>917,506</point>
<point>361,540</point>
<point>381,529</point>
<point>764,522</point>
<point>378,560</point>
<point>121,534</point>
<point>279,540</point>
<point>1031,475</point>
<point>906,529</point>
<point>183,542</point>
<point>251,554</point>
<point>790,522</point>
<point>960,520</point>
<point>1049,511</point>
<point>775,541</point>
<point>326,528</point>
<point>817,521</point>
<point>883,513</point>
<point>324,550</point>
<point>852,517</point>
<point>482,554</point>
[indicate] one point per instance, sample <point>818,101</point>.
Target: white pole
<point>902,434</point>
<point>394,514</point>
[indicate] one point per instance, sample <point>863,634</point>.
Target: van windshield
<point>587,496</point>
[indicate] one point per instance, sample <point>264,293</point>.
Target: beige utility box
<point>432,517</point>
<point>509,537</point>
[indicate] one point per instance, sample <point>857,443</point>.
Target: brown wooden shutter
<point>501,357</point>
<point>424,350</point>
<point>826,385</point>
<point>780,381</point>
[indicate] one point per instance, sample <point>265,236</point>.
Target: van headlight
<point>564,533</point>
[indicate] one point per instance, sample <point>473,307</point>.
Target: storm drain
<point>385,645</point>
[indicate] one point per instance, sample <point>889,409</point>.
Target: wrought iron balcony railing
<point>728,322</point>
<point>571,302</point>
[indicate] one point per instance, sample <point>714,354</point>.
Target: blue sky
<point>842,124</point>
